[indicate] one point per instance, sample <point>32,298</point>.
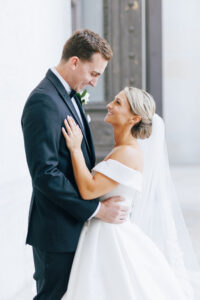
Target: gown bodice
<point>130,181</point>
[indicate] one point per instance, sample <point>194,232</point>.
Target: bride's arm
<point>89,186</point>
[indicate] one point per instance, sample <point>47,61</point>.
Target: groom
<point>57,212</point>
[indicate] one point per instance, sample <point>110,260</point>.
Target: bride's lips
<point>109,113</point>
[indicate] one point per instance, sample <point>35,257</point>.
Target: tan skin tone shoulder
<point>130,156</point>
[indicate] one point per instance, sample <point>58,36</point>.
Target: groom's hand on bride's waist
<point>113,211</point>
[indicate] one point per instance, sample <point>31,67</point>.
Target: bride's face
<point>119,111</point>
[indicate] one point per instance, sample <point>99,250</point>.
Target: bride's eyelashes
<point>117,101</point>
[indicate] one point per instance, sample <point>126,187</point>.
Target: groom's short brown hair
<point>84,43</point>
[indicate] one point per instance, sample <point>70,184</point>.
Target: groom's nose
<point>93,82</point>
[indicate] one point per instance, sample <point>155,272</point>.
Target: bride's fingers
<point>67,126</point>
<point>71,122</point>
<point>74,126</point>
<point>65,133</point>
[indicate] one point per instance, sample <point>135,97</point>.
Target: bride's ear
<point>135,119</point>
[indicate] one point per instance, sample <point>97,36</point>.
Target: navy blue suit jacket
<point>57,212</point>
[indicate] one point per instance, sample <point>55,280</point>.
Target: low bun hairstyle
<point>143,105</point>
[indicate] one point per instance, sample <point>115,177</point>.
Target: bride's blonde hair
<point>143,105</point>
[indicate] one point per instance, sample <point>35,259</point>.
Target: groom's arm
<point>42,134</point>
<point>96,211</point>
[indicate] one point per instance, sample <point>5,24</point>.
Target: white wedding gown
<point>119,262</point>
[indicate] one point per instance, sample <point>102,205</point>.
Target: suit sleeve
<point>42,132</point>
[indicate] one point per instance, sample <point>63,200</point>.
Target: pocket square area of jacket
<point>88,118</point>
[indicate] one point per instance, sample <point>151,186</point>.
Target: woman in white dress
<point>119,261</point>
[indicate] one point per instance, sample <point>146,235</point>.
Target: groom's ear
<point>73,62</point>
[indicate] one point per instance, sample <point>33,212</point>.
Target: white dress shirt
<point>68,89</point>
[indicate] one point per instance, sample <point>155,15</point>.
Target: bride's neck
<point>123,137</point>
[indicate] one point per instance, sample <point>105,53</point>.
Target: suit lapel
<point>87,129</point>
<point>63,93</point>
<point>66,98</point>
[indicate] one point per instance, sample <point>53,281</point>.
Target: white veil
<point>158,213</point>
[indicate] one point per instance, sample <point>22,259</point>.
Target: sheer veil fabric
<point>158,213</point>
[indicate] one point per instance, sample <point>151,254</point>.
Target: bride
<point>143,258</point>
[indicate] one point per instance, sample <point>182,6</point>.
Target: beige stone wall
<point>32,34</point>
<point>181,65</point>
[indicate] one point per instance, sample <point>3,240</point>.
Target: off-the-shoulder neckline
<point>134,170</point>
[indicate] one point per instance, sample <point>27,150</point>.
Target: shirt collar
<point>64,83</point>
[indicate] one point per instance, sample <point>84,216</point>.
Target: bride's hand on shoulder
<point>72,134</point>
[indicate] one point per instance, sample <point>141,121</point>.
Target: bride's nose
<point>108,105</point>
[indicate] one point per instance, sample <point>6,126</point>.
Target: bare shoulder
<point>128,155</point>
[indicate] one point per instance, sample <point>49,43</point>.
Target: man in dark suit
<point>57,212</point>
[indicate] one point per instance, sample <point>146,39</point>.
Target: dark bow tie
<point>72,93</point>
